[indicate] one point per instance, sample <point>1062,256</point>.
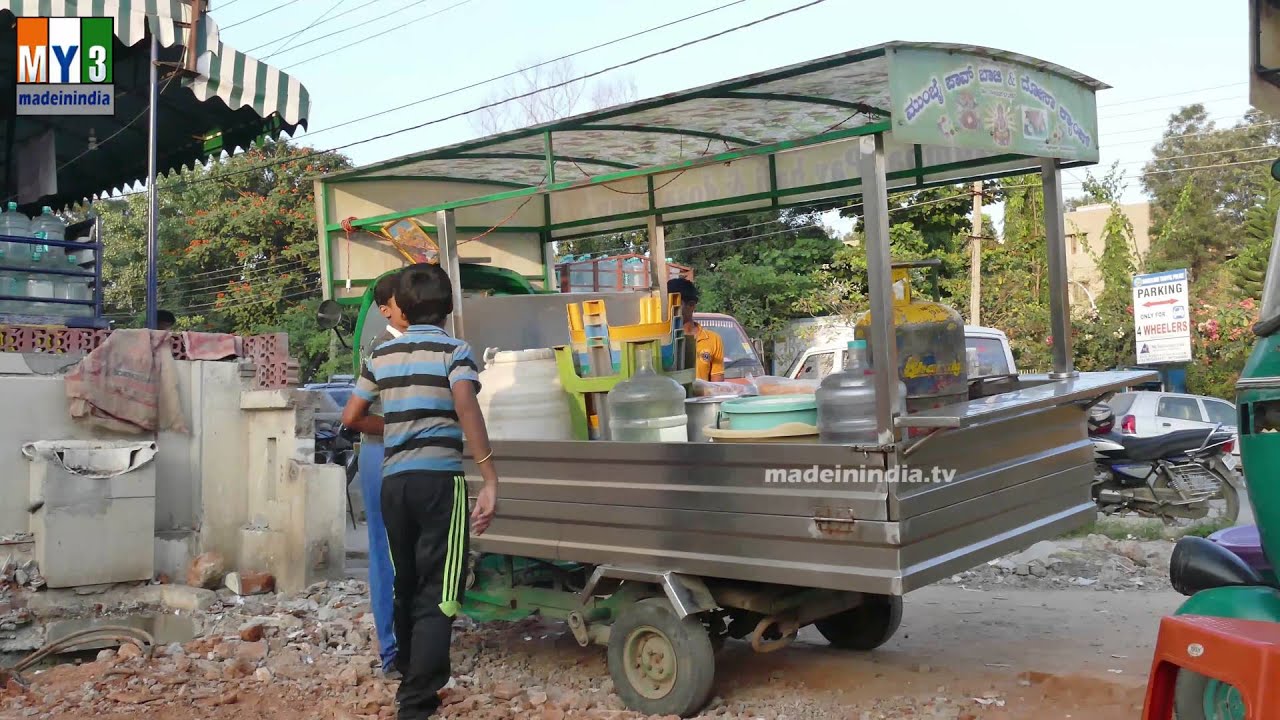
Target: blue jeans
<point>381,571</point>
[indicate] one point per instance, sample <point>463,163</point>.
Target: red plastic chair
<point>1242,653</point>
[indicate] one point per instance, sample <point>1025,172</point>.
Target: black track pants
<point>427,529</point>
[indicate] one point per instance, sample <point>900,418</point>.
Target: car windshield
<point>737,347</point>
<point>991,359</point>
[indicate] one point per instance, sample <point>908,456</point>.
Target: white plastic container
<point>521,396</point>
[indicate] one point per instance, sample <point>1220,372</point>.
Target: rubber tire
<point>695,659</point>
<point>1188,696</point>
<point>865,627</point>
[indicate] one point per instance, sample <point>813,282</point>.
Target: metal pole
<point>153,204</point>
<point>447,239</point>
<point>884,346</point>
<point>975,260</point>
<point>1056,246</point>
<point>658,253</point>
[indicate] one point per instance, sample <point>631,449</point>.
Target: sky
<point>380,54</point>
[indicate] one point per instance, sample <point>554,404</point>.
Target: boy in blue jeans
<point>381,575</point>
<point>427,382</point>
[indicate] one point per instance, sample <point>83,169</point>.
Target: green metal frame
<point>762,87</point>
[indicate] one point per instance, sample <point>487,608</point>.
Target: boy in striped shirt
<point>426,382</point>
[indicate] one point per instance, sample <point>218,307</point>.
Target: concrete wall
<point>246,463</point>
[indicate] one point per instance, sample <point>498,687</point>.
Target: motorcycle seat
<point>1153,448</point>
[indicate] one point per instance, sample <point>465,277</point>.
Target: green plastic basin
<point>769,411</point>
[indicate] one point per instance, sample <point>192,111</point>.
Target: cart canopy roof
<point>788,137</point>
<point>842,92</point>
<point>988,104</point>
<point>231,102</point>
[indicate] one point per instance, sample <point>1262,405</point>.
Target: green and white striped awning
<point>254,101</point>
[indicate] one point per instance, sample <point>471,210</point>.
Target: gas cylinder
<point>931,348</point>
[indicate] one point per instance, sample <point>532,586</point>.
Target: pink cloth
<point>129,384</point>
<point>211,346</point>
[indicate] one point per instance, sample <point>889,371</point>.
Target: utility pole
<point>975,261</point>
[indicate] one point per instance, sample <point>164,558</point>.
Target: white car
<point>1146,413</point>
<point>988,350</point>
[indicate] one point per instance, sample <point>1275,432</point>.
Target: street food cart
<point>662,550</point>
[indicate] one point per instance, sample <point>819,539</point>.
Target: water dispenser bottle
<point>50,227</point>
<point>847,401</point>
<point>647,407</point>
<point>39,285</point>
<point>13,223</point>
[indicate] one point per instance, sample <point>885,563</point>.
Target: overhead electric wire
<point>344,13</point>
<point>504,76</point>
<point>310,25</point>
<point>285,4</point>
<point>1169,95</point>
<point>353,43</point>
<point>496,103</point>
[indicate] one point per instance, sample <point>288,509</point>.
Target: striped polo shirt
<point>413,377</point>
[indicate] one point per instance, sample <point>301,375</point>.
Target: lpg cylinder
<point>931,348</point>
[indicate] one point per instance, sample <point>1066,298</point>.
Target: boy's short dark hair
<point>688,292</point>
<point>424,294</point>
<point>385,288</point>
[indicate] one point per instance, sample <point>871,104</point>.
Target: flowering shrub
<point>1220,345</point>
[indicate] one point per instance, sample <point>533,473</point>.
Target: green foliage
<point>1249,268</point>
<point>237,249</point>
<point>1204,181</point>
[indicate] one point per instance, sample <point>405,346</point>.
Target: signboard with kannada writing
<point>972,101</point>
<point>1162,317</point>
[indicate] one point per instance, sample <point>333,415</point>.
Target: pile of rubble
<point>1095,562</point>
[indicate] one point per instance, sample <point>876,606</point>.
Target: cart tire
<point>865,627</point>
<point>660,664</point>
<point>1196,697</point>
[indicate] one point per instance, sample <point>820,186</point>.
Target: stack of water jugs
<point>25,266</point>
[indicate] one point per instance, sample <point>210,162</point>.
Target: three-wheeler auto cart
<point>661,551</point>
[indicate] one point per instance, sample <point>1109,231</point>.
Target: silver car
<point>1146,413</point>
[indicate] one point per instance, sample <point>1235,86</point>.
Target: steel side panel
<point>981,515</point>
<point>690,476</point>
<point>706,510</point>
<point>992,457</point>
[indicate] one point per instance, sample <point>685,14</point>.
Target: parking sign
<point>1162,317</point>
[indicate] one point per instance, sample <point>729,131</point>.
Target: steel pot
<point>703,412</point>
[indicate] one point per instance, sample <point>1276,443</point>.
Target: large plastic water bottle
<point>647,407</point>
<point>13,223</point>
<point>50,227</point>
<point>847,401</point>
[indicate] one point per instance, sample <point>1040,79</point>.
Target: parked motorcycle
<point>1179,476</point>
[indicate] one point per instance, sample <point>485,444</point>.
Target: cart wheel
<point>865,627</point>
<point>661,665</point>
<point>1196,697</point>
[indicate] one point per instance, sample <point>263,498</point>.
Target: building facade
<point>1085,244</point>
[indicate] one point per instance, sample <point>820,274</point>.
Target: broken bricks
<point>250,583</point>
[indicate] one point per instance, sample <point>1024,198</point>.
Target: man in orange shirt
<point>710,346</point>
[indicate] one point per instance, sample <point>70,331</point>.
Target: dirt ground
<point>961,653</point>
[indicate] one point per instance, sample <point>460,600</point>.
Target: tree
<point>237,248</point>
<point>545,92</point>
<point>1204,181</point>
